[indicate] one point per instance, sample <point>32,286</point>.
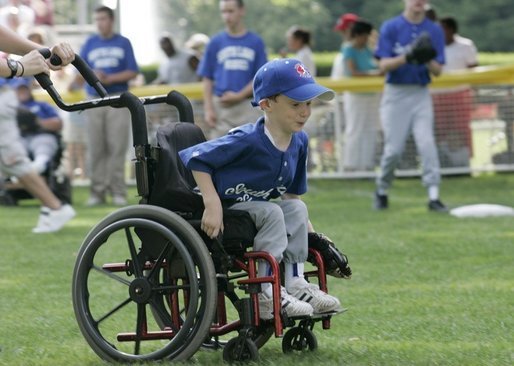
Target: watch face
<point>13,65</point>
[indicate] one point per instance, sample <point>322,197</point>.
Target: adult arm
<point>119,77</point>
<point>208,102</point>
<point>32,62</point>
<point>230,97</point>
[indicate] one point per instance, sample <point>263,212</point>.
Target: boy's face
<point>289,114</point>
<point>416,6</point>
<point>231,13</point>
<point>23,93</point>
<point>104,23</point>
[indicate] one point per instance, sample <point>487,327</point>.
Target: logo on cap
<point>302,71</point>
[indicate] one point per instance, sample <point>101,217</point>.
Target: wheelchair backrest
<point>174,184</point>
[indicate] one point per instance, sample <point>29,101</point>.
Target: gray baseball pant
<point>405,109</point>
<point>281,228</point>
<point>236,115</point>
<point>108,131</point>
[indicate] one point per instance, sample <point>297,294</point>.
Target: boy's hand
<point>212,219</point>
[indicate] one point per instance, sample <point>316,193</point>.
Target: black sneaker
<point>381,202</point>
<point>437,206</point>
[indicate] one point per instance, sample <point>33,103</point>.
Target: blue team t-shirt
<point>246,166</point>
<point>41,109</point>
<point>232,61</point>
<point>362,58</point>
<point>396,35</point>
<point>110,55</point>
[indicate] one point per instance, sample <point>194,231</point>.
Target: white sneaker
<point>43,213</point>
<point>94,201</point>
<point>320,301</point>
<point>53,220</point>
<point>292,306</point>
<point>119,201</point>
<point>39,166</point>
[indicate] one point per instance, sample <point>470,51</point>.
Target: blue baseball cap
<point>290,77</point>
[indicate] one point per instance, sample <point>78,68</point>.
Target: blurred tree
<point>487,23</point>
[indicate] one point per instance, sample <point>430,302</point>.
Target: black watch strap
<point>13,66</point>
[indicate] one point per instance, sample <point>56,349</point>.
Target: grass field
<point>428,289</point>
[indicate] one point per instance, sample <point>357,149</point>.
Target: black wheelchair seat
<point>174,188</point>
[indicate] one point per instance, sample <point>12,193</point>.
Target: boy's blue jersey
<point>246,166</point>
<point>41,109</point>
<point>396,35</point>
<point>232,61</point>
<point>110,55</point>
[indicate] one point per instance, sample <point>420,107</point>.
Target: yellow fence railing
<point>485,75</point>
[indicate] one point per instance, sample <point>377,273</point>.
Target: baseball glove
<point>336,263</point>
<point>421,50</point>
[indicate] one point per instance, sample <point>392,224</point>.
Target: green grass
<point>428,289</point>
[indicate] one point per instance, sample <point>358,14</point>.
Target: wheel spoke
<point>160,260</point>
<point>169,289</point>
<point>111,275</point>
<point>161,312</point>
<point>135,262</point>
<point>141,322</point>
<point>115,309</point>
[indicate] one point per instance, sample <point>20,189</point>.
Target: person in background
<point>179,66</point>
<point>460,52</point>
<point>360,109</point>
<point>343,26</point>
<point>299,41</point>
<point>40,134</point>
<point>17,16</point>
<point>231,59</point>
<point>410,49</point>
<point>13,156</point>
<point>197,43</point>
<point>111,57</point>
<point>453,107</point>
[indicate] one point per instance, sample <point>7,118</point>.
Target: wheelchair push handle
<point>79,64</point>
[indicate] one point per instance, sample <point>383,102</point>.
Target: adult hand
<point>33,63</point>
<point>210,116</point>
<point>230,98</point>
<point>65,52</point>
<point>102,77</point>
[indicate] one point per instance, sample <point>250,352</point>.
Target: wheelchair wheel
<point>144,286</point>
<point>240,349</point>
<point>299,339</point>
<point>262,334</point>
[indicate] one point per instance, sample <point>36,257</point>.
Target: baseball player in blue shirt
<point>410,49</point>
<point>266,160</point>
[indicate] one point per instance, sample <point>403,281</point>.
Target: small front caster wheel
<point>299,339</point>
<point>240,349</point>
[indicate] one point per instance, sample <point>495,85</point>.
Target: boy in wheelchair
<point>266,160</point>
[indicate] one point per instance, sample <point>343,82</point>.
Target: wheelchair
<point>149,285</point>
<point>54,174</point>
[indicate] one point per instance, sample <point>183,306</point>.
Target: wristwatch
<point>13,66</point>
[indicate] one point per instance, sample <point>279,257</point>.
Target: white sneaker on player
<point>53,220</point>
<point>292,306</point>
<point>320,301</point>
